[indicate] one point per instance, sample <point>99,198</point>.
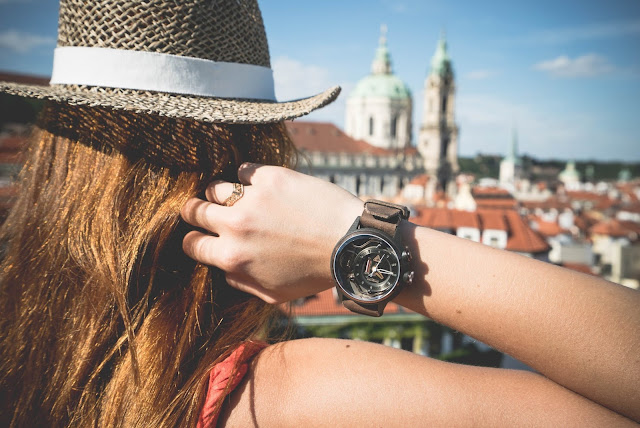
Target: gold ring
<point>238,192</point>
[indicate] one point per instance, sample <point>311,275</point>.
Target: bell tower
<point>438,138</point>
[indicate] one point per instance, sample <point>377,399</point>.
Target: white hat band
<point>152,71</point>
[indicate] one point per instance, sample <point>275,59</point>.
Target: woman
<point>578,331</point>
<point>104,321</point>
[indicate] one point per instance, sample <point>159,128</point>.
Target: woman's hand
<point>276,241</point>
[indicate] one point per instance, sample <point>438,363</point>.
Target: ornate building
<point>438,139</point>
<point>355,165</point>
<point>379,108</point>
<point>374,156</point>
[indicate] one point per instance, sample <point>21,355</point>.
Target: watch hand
<point>379,261</point>
<point>384,271</point>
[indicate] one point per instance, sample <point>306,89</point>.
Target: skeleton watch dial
<point>366,267</point>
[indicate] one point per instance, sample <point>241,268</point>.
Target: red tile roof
<point>547,228</point>
<point>521,237</point>
<point>490,192</point>
<point>579,267</point>
<point>494,203</point>
<point>420,180</point>
<point>583,195</point>
<point>12,143</point>
<point>552,203</point>
<point>435,218</point>
<point>491,219</point>
<point>633,207</point>
<point>12,148</point>
<point>630,225</point>
<point>493,197</point>
<point>465,219</point>
<point>328,138</point>
<point>325,304</point>
<point>613,228</point>
<point>24,78</point>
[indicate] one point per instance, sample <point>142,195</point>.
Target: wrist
<point>370,264</point>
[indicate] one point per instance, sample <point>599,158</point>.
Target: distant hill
<point>483,165</point>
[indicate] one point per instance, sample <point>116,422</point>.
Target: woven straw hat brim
<point>216,110</point>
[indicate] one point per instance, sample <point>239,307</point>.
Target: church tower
<point>438,139</point>
<point>379,108</point>
<point>511,166</point>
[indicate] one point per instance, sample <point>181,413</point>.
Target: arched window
<point>371,125</point>
<point>394,126</point>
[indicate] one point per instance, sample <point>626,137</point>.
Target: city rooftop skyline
<point>565,75</point>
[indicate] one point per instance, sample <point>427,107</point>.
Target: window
<point>444,104</point>
<point>394,125</point>
<point>371,125</point>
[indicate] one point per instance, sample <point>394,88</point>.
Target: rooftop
<point>328,138</point>
<point>326,304</point>
<point>521,237</point>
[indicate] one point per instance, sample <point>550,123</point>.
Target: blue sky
<point>565,74</point>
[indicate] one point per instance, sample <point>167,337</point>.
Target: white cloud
<point>583,66</point>
<point>481,74</point>
<point>21,42</point>
<point>295,80</point>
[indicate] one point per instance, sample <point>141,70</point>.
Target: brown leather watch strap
<point>383,215</point>
<point>374,310</point>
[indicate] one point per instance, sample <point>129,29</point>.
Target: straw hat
<point>206,60</point>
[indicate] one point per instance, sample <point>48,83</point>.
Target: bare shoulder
<point>334,382</point>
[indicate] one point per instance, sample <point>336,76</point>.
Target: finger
<point>202,248</point>
<point>248,171</point>
<point>203,214</point>
<point>219,191</point>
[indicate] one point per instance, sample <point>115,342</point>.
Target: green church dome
<point>381,82</point>
<point>381,85</point>
<point>569,173</point>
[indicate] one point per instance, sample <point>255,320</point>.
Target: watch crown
<point>406,255</point>
<point>408,277</point>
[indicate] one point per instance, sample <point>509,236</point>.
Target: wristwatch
<point>370,264</point>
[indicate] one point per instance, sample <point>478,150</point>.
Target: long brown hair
<point>103,320</point>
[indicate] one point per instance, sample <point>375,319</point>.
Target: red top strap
<point>230,372</point>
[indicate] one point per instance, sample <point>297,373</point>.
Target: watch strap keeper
<point>383,215</point>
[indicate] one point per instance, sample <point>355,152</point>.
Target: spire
<point>441,62</point>
<point>513,148</point>
<point>382,62</point>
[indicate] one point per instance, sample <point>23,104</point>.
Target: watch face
<point>366,267</point>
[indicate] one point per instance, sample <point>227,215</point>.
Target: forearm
<point>557,321</point>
